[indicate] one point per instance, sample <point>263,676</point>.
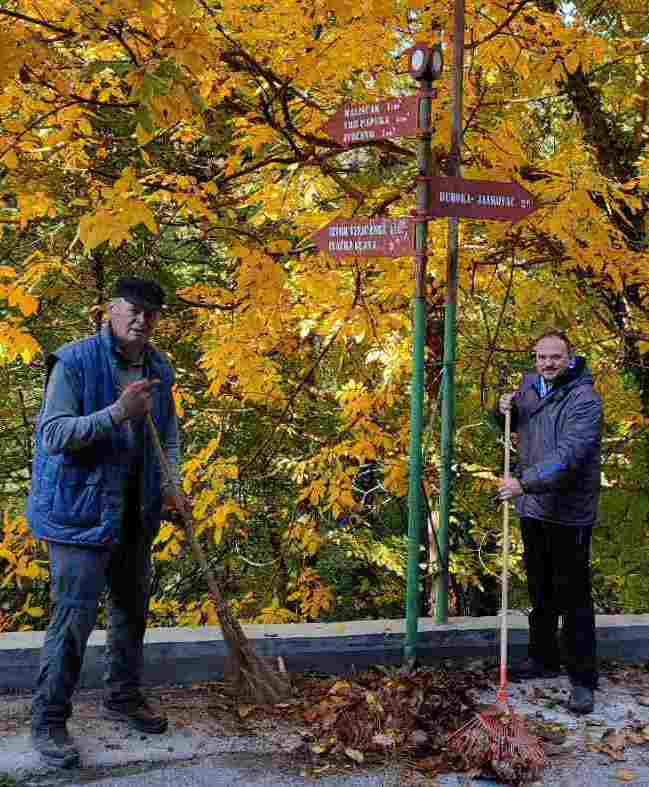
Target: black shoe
<point>582,700</point>
<point>530,669</point>
<point>138,714</point>
<point>55,746</point>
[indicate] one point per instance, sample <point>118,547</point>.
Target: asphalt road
<point>217,774</point>
<point>203,749</point>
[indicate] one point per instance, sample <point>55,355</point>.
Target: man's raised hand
<point>505,402</point>
<point>136,399</point>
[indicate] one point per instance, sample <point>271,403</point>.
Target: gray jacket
<point>559,447</point>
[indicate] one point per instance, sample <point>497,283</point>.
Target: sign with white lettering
<point>378,237</point>
<point>480,199</point>
<point>384,119</point>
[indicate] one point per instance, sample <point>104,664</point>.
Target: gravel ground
<point>608,747</point>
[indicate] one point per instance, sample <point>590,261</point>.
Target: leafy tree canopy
<point>183,139</point>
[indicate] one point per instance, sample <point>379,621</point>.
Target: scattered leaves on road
<point>625,775</point>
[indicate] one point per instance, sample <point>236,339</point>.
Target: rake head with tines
<point>497,737</point>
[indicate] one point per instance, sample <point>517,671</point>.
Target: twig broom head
<point>253,677</point>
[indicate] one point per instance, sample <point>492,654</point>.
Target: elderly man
<point>97,498</point>
<point>557,415</point>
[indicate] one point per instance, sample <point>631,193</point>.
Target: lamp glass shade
<point>437,62</point>
<point>417,59</point>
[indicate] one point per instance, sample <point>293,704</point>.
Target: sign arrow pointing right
<point>480,199</point>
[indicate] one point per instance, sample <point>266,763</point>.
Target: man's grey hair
<point>115,302</point>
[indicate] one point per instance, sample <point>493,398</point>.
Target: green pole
<point>448,391</point>
<point>415,501</point>
<point>446,470</point>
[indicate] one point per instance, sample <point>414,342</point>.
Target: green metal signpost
<point>425,65</point>
<point>437,197</point>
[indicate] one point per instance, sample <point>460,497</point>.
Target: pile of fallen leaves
<point>379,714</point>
<point>374,712</point>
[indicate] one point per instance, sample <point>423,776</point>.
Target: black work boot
<point>137,713</point>
<point>55,746</point>
<point>582,700</point>
<point>530,669</point>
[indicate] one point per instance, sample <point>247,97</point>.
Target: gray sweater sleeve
<point>64,429</point>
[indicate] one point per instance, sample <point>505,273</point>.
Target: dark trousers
<point>79,578</point>
<point>557,560</point>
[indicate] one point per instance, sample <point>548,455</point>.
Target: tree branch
<point>505,23</point>
<point>32,126</point>
<point>224,307</point>
<point>40,22</point>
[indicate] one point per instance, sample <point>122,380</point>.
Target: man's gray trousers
<point>79,578</point>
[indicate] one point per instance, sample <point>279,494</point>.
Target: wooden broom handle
<point>170,480</point>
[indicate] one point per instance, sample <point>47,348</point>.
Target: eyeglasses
<point>150,315</point>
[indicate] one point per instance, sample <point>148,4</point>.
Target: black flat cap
<point>145,293</point>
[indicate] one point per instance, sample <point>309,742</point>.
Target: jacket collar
<point>575,369</point>
<point>575,375</point>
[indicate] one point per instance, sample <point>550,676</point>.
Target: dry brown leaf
<point>245,710</point>
<point>625,775</point>
<point>355,755</point>
<point>386,741</point>
<point>614,739</point>
<point>318,748</point>
<point>612,743</point>
<point>614,754</point>
<point>340,686</point>
<point>428,764</point>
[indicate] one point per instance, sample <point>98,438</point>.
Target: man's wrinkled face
<point>552,357</point>
<point>132,325</point>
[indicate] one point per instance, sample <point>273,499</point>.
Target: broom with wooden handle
<point>497,736</point>
<point>254,679</point>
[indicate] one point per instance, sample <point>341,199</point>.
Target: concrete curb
<point>189,655</point>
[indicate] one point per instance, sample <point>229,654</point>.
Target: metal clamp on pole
<point>423,94</point>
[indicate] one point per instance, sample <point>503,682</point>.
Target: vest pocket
<point>77,496</point>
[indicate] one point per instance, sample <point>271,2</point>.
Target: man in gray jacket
<point>557,416</point>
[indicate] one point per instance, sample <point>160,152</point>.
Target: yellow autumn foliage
<point>184,139</point>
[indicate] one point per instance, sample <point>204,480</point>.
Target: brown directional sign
<point>384,119</point>
<point>378,237</point>
<point>480,199</point>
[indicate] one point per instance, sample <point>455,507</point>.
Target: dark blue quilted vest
<point>78,497</point>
